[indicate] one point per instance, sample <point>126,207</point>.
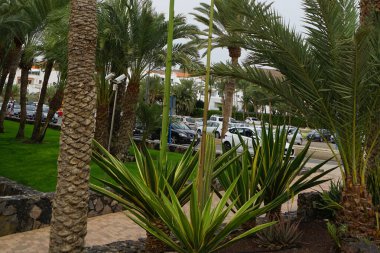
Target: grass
<point>35,165</point>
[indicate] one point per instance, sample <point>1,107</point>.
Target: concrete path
<point>113,227</point>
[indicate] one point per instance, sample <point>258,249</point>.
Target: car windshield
<point>17,107</point>
<point>182,126</point>
<point>45,109</point>
<point>190,120</point>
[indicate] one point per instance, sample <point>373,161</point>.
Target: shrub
<point>284,234</point>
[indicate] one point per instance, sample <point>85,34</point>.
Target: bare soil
<point>315,239</point>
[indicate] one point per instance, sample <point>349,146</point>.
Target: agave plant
<point>284,234</point>
<point>129,188</point>
<point>272,169</point>
<point>202,229</point>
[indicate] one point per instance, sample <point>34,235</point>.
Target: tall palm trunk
<point>15,56</point>
<point>128,120</point>
<point>229,89</point>
<point>70,204</point>
<point>25,67</point>
<point>54,104</point>
<point>102,126</point>
<point>4,74</point>
<point>41,100</point>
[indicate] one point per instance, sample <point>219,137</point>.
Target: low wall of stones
<point>23,209</point>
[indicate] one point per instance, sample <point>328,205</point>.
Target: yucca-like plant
<point>130,189</point>
<point>205,228</point>
<point>330,76</point>
<point>284,234</point>
<point>272,169</point>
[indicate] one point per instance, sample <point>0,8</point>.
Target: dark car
<point>319,135</point>
<point>30,112</point>
<point>45,111</point>
<point>15,112</point>
<point>180,134</point>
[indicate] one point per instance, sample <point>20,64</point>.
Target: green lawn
<point>35,165</point>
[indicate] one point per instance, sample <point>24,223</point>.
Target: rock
<point>35,212</point>
<point>359,247</point>
<point>98,206</point>
<point>114,203</point>
<point>107,209</point>
<point>91,205</point>
<point>9,210</point>
<point>8,225</point>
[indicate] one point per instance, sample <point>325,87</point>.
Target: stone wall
<point>23,209</point>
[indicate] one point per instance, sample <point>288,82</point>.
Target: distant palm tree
<point>225,37</point>
<point>70,204</point>
<point>31,15</point>
<point>54,47</point>
<point>186,96</point>
<point>139,44</point>
<point>331,77</point>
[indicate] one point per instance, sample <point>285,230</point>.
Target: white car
<point>253,120</point>
<point>291,133</point>
<point>212,127</point>
<point>247,134</point>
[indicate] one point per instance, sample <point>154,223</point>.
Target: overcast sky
<point>291,10</point>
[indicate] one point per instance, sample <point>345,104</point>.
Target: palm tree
<point>369,11</point>
<point>186,96</point>
<point>329,77</point>
<point>54,46</point>
<point>32,15</point>
<point>139,35</point>
<point>225,37</point>
<point>69,218</point>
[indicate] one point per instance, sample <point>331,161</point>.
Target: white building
<point>36,77</point>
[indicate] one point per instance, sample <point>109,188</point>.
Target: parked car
<point>189,121</point>
<point>291,132</point>
<point>30,112</point>
<point>248,134</point>
<point>319,135</point>
<point>212,127</point>
<point>15,111</point>
<point>180,134</point>
<point>220,119</point>
<point>45,111</point>
<point>253,120</point>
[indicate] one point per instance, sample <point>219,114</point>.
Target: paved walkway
<point>108,228</point>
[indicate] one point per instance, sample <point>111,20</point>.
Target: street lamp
<point>115,84</point>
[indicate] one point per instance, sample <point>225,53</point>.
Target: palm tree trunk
<point>4,74</point>
<point>229,90</point>
<point>357,213</point>
<point>69,217</point>
<point>152,244</point>
<point>102,126</point>
<point>128,120</point>
<point>41,100</point>
<point>274,214</point>
<point>15,56</point>
<point>23,90</point>
<point>54,104</point>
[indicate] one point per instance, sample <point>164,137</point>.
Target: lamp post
<point>115,84</point>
